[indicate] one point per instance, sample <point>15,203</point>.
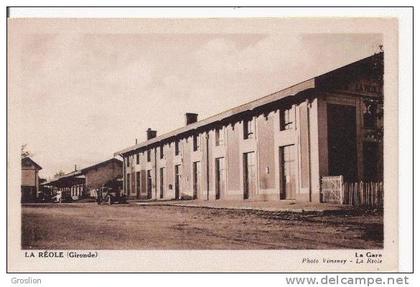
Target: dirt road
<point>130,226</point>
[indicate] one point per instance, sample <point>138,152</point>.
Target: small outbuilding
<point>29,180</point>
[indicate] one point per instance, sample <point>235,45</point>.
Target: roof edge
<point>290,91</point>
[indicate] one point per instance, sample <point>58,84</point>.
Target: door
<point>287,172</point>
<point>161,181</point>
<point>342,149</point>
<point>249,174</point>
<point>220,177</point>
<point>149,184</point>
<point>128,184</point>
<point>138,184</point>
<point>177,180</point>
<point>133,184</point>
<point>196,179</point>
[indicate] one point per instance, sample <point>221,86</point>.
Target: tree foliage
<point>59,173</point>
<point>24,152</point>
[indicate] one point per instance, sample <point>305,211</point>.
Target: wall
<point>29,177</point>
<point>29,184</point>
<point>234,161</point>
<point>266,156</point>
<point>97,177</point>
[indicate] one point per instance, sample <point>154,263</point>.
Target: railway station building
<point>274,148</point>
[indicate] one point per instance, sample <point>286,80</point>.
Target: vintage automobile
<point>111,193</point>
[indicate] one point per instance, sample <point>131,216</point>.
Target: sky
<point>83,95</point>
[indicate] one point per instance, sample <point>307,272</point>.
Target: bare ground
<point>130,226</point>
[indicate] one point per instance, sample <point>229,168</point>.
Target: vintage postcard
<point>165,144</point>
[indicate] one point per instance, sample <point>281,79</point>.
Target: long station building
<point>274,148</point>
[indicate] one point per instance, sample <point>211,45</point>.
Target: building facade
<point>274,148</point>
<point>29,180</point>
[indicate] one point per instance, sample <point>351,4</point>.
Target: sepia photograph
<point>148,136</point>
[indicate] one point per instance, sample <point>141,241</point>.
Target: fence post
<point>320,189</point>
<point>346,193</point>
<point>382,193</point>
<point>372,196</point>
<point>362,188</point>
<point>356,192</point>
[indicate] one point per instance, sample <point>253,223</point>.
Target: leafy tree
<point>59,173</point>
<point>24,152</point>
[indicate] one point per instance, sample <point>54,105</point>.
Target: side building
<point>275,148</point>
<point>29,180</point>
<point>70,185</point>
<point>84,183</point>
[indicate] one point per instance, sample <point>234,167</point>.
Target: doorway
<point>137,184</point>
<point>177,180</point>
<point>161,181</point>
<point>342,148</point>
<point>287,156</point>
<point>196,179</point>
<point>149,184</point>
<point>249,174</point>
<point>220,177</point>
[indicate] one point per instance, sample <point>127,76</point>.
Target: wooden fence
<point>367,194</point>
<point>359,194</point>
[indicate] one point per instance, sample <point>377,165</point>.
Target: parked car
<point>110,195</point>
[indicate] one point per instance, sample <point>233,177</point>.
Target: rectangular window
<point>248,129</point>
<point>177,147</point>
<point>219,137</point>
<point>149,157</point>
<point>127,161</point>
<point>137,158</point>
<point>196,142</point>
<point>161,151</point>
<point>286,119</point>
<point>370,111</point>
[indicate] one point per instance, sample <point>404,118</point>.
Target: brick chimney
<point>150,133</point>
<point>190,118</point>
